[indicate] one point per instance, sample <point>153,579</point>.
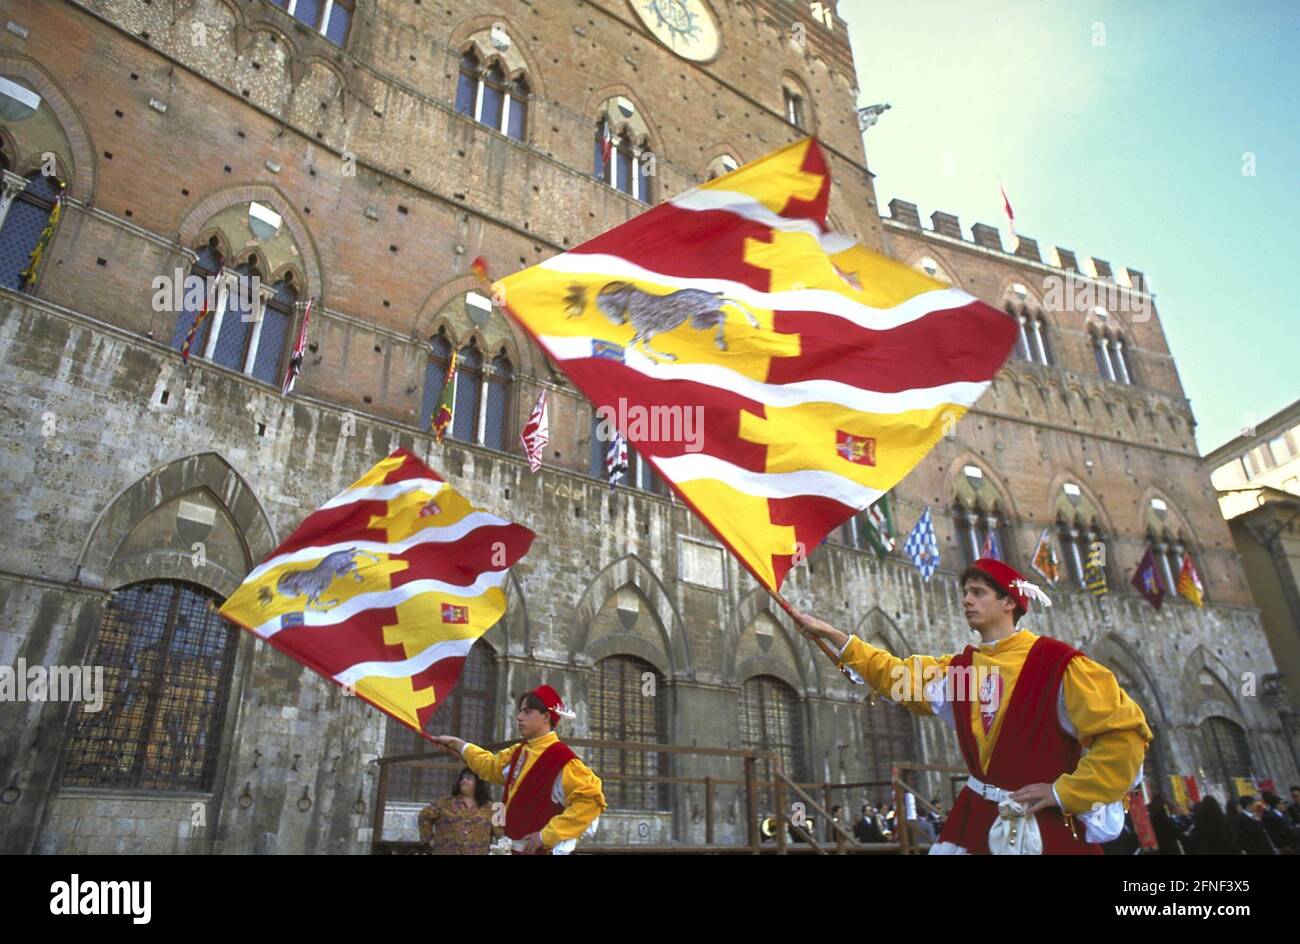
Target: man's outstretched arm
<point>901,680</point>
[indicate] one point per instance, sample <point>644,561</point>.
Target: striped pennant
<point>820,373</point>
<point>385,587</point>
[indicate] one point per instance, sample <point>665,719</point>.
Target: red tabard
<point>1031,748</point>
<point>530,807</point>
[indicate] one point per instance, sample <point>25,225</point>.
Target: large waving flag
<point>821,373</point>
<point>385,587</point>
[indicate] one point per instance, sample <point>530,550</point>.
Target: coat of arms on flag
<point>1189,582</point>
<point>1045,562</point>
<point>801,349</point>
<point>1146,582</point>
<point>379,597</point>
<point>859,449</point>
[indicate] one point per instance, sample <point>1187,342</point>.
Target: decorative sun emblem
<point>676,17</point>
<point>684,26</point>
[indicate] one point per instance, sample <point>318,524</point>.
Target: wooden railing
<point>779,786</point>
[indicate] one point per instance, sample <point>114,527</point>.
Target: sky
<point>1120,130</point>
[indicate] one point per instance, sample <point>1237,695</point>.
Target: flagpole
<point>821,644</point>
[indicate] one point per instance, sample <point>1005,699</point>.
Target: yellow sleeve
<point>1111,728</point>
<point>901,680</point>
<point>489,767</point>
<point>584,800</point>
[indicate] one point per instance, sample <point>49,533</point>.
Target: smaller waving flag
<point>879,527</point>
<point>1045,562</point>
<point>1011,215</point>
<point>295,361</point>
<point>1146,582</point>
<point>442,416</point>
<point>536,433</point>
<point>199,319</point>
<point>28,275</point>
<point>385,588</point>
<point>1189,582</point>
<point>606,148</point>
<point>992,546</point>
<point>922,546</point>
<point>616,460</point>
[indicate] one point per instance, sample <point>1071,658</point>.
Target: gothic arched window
<point>24,222</point>
<point>771,719</point>
<point>622,711</point>
<point>168,662</point>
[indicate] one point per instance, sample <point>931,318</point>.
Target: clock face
<point>684,26</point>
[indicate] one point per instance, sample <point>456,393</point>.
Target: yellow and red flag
<point>385,587</point>
<point>821,372</point>
<point>1189,582</point>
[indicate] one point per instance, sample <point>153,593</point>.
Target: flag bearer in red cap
<point>552,799</point>
<point>1053,744</point>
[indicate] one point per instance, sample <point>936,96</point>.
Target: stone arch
<point>1054,490</point>
<point>1174,512</point>
<point>753,605</point>
<point>314,74</point>
<point>213,483</point>
<point>1202,701</point>
<point>713,158</point>
<point>954,475</point>
<point>791,81</point>
<point>82,177</point>
<point>914,258</point>
<point>9,148</point>
<point>631,571</point>
<point>476,31</point>
<point>433,312</point>
<point>877,624</point>
<point>1115,651</point>
<point>198,218</point>
<point>641,126</point>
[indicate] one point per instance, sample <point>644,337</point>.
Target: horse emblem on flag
<point>650,314</point>
<point>314,581</point>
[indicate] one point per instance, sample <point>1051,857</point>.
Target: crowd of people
<point>1248,825</point>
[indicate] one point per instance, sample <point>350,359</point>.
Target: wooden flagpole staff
<point>821,644</point>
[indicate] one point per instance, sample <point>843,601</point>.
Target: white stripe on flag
<point>611,268</point>
<point>447,649</point>
<point>960,393</point>
<point>382,492</point>
<point>746,207</point>
<point>430,535</point>
<point>818,482</point>
<point>316,619</point>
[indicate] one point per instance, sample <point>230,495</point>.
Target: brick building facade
<point>390,142</point>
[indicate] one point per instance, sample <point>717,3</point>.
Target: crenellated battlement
<point>988,237</point>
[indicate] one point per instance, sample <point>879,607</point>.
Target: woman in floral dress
<point>460,824</point>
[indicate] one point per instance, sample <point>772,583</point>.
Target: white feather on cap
<point>1033,591</point>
